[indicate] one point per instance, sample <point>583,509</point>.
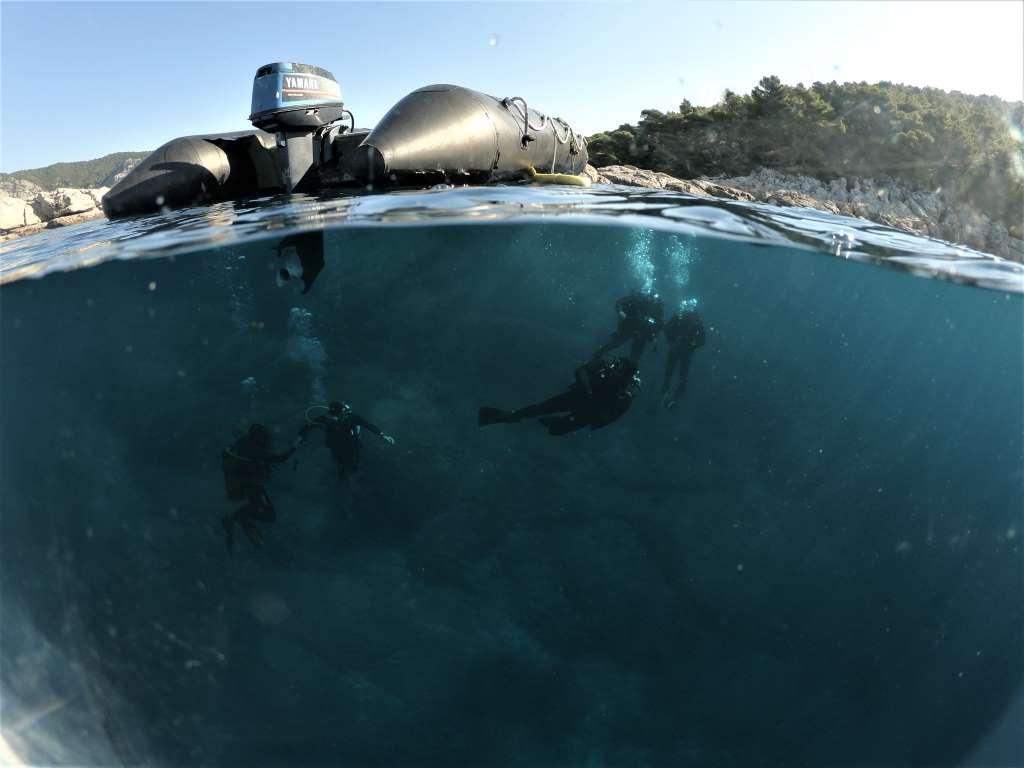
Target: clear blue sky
<point>83,79</point>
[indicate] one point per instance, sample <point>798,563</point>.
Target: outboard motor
<point>295,102</point>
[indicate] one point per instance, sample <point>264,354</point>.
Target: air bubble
<point>494,40</point>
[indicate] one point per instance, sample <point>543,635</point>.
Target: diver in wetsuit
<point>685,332</point>
<point>342,430</point>
<point>602,392</point>
<point>247,465</point>
<point>640,317</point>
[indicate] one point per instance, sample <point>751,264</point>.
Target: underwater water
<point>813,559</point>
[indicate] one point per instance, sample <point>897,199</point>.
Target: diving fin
<point>228,523</point>
<point>558,425</point>
<point>254,534</point>
<point>489,415</point>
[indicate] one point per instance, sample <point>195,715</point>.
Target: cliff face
<point>121,170</point>
<point>920,213</point>
<point>58,195</point>
<point>26,208</point>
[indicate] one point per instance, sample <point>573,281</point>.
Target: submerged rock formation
<point>922,213</point>
<point>26,208</point>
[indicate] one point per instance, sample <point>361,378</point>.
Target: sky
<point>79,80</point>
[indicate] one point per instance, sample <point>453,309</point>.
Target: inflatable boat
<point>305,140</point>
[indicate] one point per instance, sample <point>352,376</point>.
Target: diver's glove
<point>388,439</point>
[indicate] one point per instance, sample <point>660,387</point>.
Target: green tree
<point>970,146</point>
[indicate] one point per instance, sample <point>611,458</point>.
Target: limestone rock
<point>42,204</point>
<point>19,188</point>
<point>719,190</point>
<point>67,201</point>
<point>75,218</point>
<point>15,213</point>
<point>922,212</point>
<point>59,208</point>
<point>121,171</point>
<point>799,200</point>
<point>637,177</point>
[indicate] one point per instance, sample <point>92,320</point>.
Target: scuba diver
<point>342,430</point>
<point>247,464</point>
<point>602,392</point>
<point>685,332</point>
<point>640,315</point>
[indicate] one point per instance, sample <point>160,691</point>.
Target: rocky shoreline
<point>26,208</point>
<point>926,214</point>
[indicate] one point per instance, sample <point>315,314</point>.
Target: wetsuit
<point>247,465</point>
<point>341,436</point>
<point>685,332</point>
<point>640,317</point>
<point>603,392</point>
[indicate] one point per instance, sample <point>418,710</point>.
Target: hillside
<point>968,148</point>
<point>102,172</point>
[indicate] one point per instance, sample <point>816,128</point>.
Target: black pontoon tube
<point>457,134</point>
<point>195,169</point>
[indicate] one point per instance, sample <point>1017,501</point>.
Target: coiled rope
<point>521,114</point>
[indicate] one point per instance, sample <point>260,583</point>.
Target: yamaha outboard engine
<point>295,102</point>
